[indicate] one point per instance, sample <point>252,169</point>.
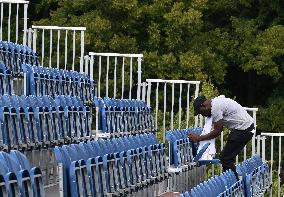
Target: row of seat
<point>181,149</point>
<point>123,116</point>
<point>18,177</point>
<point>14,55</point>
<point>254,181</point>
<point>5,80</point>
<point>117,166</point>
<point>256,176</point>
<point>217,185</point>
<point>51,81</point>
<point>30,121</point>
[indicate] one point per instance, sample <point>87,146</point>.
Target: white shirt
<point>230,113</point>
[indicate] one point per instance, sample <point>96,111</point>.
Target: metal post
<point>82,51</point>
<point>179,117</point>
<point>107,76</point>
<point>149,94</point>
<point>58,49</point>
<point>196,95</point>
<point>165,108</point>
<point>9,23</point>
<point>130,80</point>
<point>66,47</point>
<point>139,60</point>
<point>50,48</point>
<point>122,80</point>
<point>187,106</point>
<point>157,106</point>
<point>114,77</point>
<point>25,24</point>
<point>172,111</point>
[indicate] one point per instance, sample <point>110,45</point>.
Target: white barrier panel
<point>59,37</point>
<point>183,88</point>
<point>122,67</point>
<point>8,8</point>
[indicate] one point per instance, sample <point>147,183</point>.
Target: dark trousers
<point>237,140</point>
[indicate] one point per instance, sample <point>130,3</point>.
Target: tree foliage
<point>234,46</point>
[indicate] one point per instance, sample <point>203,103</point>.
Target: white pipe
<point>25,23</point>
<point>66,46</point>
<point>107,76</point>
<point>91,67</point>
<point>196,95</point>
<point>74,45</point>
<point>157,106</point>
<point>130,80</point>
<point>139,59</point>
<point>116,54</point>
<point>34,40</point>
<point>172,81</point>
<point>17,22</point>
<point>14,1</point>
<point>82,51</point>
<point>99,79</point>
<point>59,28</point>
<point>9,22</point>
<point>122,80</point>
<point>42,48</point>
<point>86,58</point>
<point>187,106</point>
<point>58,48</point>
<point>172,111</point>
<point>50,48</point>
<point>149,95</point>
<point>273,134</point>
<point>143,91</point>
<point>263,148</point>
<point>165,108</point>
<point>179,117</point>
<point>30,37</point>
<point>114,78</point>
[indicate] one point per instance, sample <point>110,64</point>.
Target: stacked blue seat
<point>116,166</point>
<point>30,121</point>
<point>14,55</point>
<point>218,186</point>
<point>18,177</point>
<point>5,80</point>
<point>181,149</point>
<point>119,117</point>
<point>254,181</point>
<point>256,175</point>
<point>51,81</point>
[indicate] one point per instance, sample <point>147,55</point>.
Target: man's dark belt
<point>250,128</point>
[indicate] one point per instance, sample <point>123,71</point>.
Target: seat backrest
<point>200,153</point>
<point>21,159</point>
<point>10,162</point>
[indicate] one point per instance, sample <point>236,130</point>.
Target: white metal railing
<point>183,86</point>
<point>273,137</point>
<point>38,43</point>
<point>119,65</point>
<point>13,5</point>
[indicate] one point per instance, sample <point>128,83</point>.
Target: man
<point>228,113</point>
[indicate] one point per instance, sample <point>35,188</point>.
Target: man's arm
<point>218,128</point>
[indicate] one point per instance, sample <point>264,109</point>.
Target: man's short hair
<point>197,103</point>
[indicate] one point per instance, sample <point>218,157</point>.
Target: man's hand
<point>193,137</point>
